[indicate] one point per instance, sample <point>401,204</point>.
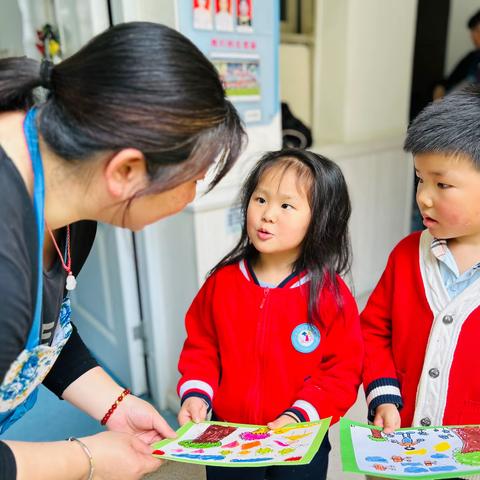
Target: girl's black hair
<point>326,249</point>
<point>140,85</point>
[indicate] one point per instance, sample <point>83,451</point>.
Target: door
<point>106,308</point>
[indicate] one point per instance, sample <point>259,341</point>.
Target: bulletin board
<point>241,39</point>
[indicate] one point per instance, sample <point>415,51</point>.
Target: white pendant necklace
<point>71,280</point>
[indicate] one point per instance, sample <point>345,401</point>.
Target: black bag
<point>294,132</point>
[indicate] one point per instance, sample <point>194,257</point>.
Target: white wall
<point>458,39</point>
<point>161,11</point>
<point>11,32</point>
<point>330,71</point>
<point>363,69</point>
<point>296,79</point>
<point>91,18</point>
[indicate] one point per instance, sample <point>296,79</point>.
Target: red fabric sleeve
<point>376,321</point>
<point>199,359</point>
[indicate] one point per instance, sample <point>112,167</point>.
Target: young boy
<point>422,322</point>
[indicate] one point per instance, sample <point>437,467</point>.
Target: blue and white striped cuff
<point>196,388</point>
<point>198,394</point>
<point>383,390</point>
<point>304,410</point>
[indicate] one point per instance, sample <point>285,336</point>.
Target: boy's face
<point>475,35</point>
<point>448,196</point>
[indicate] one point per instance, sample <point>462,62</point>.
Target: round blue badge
<point>305,338</point>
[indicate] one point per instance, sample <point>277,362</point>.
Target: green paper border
<point>349,462</point>
<point>307,458</point>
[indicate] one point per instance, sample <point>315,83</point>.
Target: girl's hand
<point>281,421</point>
<point>194,409</point>
<point>387,417</point>
<point>138,417</point>
<point>119,456</point>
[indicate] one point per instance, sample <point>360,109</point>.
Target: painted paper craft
<point>236,445</point>
<point>433,452</point>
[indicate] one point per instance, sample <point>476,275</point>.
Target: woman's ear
<point>126,173</point>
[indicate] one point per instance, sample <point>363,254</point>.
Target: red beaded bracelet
<point>114,406</point>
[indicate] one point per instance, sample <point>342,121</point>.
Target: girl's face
<point>278,214</point>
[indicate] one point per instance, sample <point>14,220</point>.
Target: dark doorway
<point>428,65</point>
<point>429,54</point>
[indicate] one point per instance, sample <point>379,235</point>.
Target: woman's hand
<point>281,421</point>
<point>94,393</point>
<point>138,417</point>
<point>194,409</point>
<point>116,456</point>
<point>119,456</point>
<point>387,417</point>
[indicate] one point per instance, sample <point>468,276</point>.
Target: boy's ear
<point>126,173</point>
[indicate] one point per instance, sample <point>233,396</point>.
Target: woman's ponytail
<point>18,77</point>
<point>136,85</point>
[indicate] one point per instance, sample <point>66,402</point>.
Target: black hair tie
<point>46,68</point>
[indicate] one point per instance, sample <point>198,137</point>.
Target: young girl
<point>273,336</point>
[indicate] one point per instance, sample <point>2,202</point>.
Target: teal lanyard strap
<point>31,136</point>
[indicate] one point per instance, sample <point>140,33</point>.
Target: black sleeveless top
<point>18,266</point>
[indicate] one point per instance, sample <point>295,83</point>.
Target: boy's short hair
<point>449,126</point>
<point>474,20</point>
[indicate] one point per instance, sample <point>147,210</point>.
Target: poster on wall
<point>244,16</point>
<point>223,15</point>
<point>240,75</point>
<point>202,15</point>
<point>241,39</point>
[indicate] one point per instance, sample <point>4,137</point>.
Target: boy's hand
<point>194,408</point>
<point>387,417</point>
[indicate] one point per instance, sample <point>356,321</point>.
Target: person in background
<point>422,321</point>
<point>273,336</point>
<point>467,70</point>
<point>126,131</point>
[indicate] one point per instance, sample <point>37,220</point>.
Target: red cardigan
<point>417,339</point>
<point>239,352</point>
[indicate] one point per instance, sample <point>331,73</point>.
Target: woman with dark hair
<point>273,336</point>
<point>130,123</point>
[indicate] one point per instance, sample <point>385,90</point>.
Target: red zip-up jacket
<point>242,355</point>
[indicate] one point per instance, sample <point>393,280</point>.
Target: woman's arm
<point>95,392</point>
<point>115,456</point>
